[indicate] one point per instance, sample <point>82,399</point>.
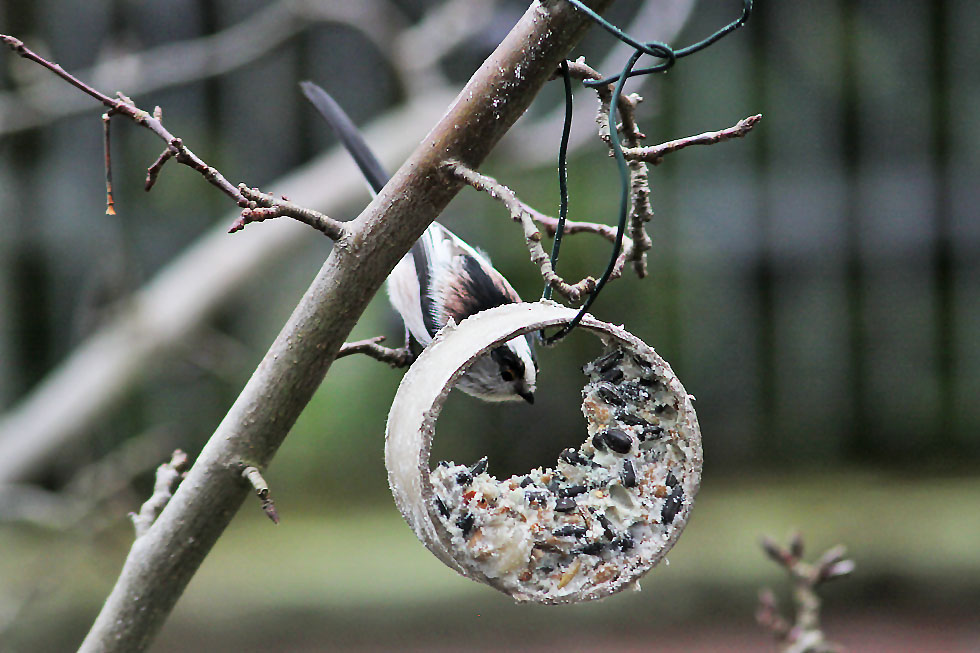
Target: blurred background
<point>816,286</point>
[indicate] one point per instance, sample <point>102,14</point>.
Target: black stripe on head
<point>425,295</point>
<point>476,292</point>
<point>507,360</point>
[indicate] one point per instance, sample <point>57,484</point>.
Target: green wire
<point>562,174</point>
<point>624,201</point>
<point>654,49</point>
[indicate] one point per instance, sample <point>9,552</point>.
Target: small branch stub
<point>591,525</point>
<point>401,357</point>
<point>254,477</point>
<point>168,477</point>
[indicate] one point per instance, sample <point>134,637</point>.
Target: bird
<point>442,279</point>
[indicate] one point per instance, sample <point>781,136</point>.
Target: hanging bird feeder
<point>593,523</point>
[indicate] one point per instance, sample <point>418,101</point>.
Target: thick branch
<point>161,563</point>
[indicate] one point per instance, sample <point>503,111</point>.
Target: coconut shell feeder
<point>595,521</point>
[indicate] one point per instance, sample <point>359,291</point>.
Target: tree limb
<point>162,562</point>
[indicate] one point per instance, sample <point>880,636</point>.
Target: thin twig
<point>123,106</point>
<point>572,227</point>
<point>154,170</point>
<point>532,237</point>
<point>263,206</point>
<point>254,477</point>
<point>550,225</point>
<point>168,476</point>
<point>804,634</point>
<point>641,210</point>
<point>655,153</point>
<point>110,204</point>
<point>401,357</point>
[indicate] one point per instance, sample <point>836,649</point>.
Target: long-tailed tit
<point>442,278</point>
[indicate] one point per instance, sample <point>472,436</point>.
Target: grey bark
<point>162,562</point>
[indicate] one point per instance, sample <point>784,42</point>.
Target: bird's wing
<point>462,281</point>
<point>405,293</point>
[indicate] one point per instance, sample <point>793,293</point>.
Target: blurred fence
<point>828,266</point>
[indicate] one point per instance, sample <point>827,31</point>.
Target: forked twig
<point>257,206</point>
<point>803,634</point>
<point>125,107</point>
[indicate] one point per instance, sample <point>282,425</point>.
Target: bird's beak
<point>527,395</point>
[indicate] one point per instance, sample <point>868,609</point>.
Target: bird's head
<point>507,373</point>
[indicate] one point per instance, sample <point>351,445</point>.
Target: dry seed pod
<point>589,526</point>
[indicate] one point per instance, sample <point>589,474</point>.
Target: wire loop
<point>650,48</point>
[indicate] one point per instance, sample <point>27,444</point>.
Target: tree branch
<point>162,562</point>
<point>804,634</point>
<point>519,212</point>
<point>267,207</point>
<point>401,357</point>
<point>123,106</point>
<point>168,476</point>
<point>656,153</point>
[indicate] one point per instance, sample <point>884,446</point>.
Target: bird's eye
<point>507,375</point>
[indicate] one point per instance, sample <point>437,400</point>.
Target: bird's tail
<point>349,135</point>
